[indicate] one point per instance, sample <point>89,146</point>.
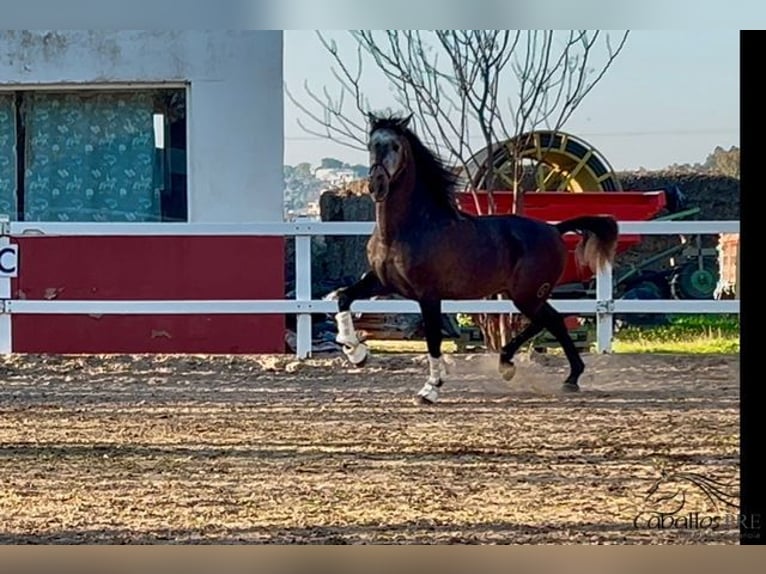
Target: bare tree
<point>476,95</point>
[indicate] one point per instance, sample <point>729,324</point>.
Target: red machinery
<point>557,206</point>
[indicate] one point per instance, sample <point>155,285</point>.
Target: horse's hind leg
<point>506,367</point>
<point>554,322</point>
<point>432,321</point>
<point>368,286</point>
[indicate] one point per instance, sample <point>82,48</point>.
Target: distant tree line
<point>719,162</point>
<point>302,187</point>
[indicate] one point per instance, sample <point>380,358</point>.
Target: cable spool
<point>551,161</point>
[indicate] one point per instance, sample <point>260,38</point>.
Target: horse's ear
<point>371,118</point>
<point>404,122</point>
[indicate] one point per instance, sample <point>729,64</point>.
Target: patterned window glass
<point>90,157</point>
<point>7,156</point>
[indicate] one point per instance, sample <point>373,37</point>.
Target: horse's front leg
<point>368,286</point>
<point>432,321</point>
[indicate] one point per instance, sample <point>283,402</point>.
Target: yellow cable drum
<point>550,161</point>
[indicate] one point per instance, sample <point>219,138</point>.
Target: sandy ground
<point>137,449</point>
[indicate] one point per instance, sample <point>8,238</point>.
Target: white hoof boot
<point>429,393</point>
<point>356,354</point>
<point>436,372</point>
<point>355,350</point>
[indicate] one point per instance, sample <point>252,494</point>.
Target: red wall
<point>143,268</point>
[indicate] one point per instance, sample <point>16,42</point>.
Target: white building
<point>335,176</point>
<point>76,125</point>
<point>144,126</point>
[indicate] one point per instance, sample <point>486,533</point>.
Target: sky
<point>671,96</point>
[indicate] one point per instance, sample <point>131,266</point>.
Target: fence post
<point>303,293</point>
<point>736,285</point>
<point>6,346</point>
<point>604,309</point>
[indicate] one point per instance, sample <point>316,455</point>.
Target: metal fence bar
<point>6,346</point>
<point>53,229</point>
<point>282,306</point>
<point>265,229</point>
<point>676,306</point>
<point>303,293</point>
<point>266,306</point>
<point>162,307</point>
<point>678,227</point>
<point>603,306</point>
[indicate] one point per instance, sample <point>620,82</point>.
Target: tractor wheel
<point>693,282</point>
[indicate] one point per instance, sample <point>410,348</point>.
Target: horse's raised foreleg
<point>432,321</point>
<point>368,286</point>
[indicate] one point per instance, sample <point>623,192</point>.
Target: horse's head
<point>389,151</point>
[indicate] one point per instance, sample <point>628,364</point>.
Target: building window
<point>7,156</point>
<point>93,155</point>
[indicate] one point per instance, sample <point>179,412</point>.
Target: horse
<point>424,248</point>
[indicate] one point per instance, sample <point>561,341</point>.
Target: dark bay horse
<point>425,249</point>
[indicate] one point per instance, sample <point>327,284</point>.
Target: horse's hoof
<point>507,371</point>
<point>570,387</point>
<point>429,393</point>
<point>357,354</point>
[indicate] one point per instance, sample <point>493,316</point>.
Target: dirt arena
<point>137,449</point>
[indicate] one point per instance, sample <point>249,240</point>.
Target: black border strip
<point>752,403</point>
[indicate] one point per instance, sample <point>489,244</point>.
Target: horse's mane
<point>432,174</point>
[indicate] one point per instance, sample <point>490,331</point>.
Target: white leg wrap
<point>437,369</point>
<point>436,373</point>
<point>353,349</point>
<point>346,332</point>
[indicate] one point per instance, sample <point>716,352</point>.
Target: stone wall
<point>716,196</point>
<point>336,260</point>
<point>345,257</point>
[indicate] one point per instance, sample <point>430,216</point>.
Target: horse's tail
<point>599,243</point>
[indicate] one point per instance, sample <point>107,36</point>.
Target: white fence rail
<point>603,306</point>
